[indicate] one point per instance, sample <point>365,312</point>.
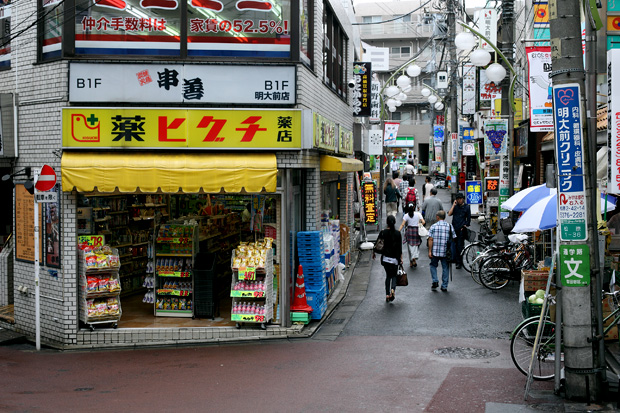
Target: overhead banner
<point>539,88</point>
<point>390,131</point>
<point>613,121</point>
<point>182,83</point>
<point>495,136</point>
<point>469,89</point>
<point>360,94</point>
<point>567,113</point>
<point>375,102</point>
<point>487,21</point>
<point>148,128</point>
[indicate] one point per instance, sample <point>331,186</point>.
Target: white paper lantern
<point>392,91</point>
<point>480,57</point>
<point>414,70</point>
<point>439,106</point>
<point>432,99</point>
<point>401,96</point>
<point>391,102</point>
<point>407,89</point>
<point>426,92</point>
<point>465,41</point>
<point>398,102</point>
<point>392,108</point>
<point>403,81</point>
<point>496,73</point>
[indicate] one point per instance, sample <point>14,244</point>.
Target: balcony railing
<point>390,28</point>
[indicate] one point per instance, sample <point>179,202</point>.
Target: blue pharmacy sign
<point>438,134</point>
<point>473,192</point>
<point>567,113</point>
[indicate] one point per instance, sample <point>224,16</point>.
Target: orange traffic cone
<point>299,297</point>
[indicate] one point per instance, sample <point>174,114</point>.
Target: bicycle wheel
<point>470,253</point>
<point>522,344</point>
<point>494,272</point>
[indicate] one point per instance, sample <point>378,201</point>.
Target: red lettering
<point>218,125</point>
<point>162,134</point>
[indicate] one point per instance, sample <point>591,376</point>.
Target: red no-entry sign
<point>47,179</point>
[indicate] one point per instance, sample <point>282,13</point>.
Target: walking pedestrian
<point>391,196</point>
<point>438,236</point>
<point>426,188</point>
<point>461,219</point>
<point>430,207</point>
<point>398,182</point>
<point>411,220</point>
<point>391,256</point>
<point>409,171</point>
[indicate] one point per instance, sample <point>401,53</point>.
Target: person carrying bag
<point>391,255</point>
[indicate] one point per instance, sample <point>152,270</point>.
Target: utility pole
<point>576,185</point>
<point>454,119</point>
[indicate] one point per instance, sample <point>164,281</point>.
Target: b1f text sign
<point>572,217</point>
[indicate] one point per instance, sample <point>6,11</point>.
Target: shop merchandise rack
<point>176,246</point>
<point>100,290</point>
<point>251,290</point>
<point>311,250</point>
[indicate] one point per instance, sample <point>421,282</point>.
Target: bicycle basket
<point>506,225</point>
<point>471,235</point>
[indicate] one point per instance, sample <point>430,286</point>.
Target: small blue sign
<point>568,137</point>
<point>438,134</point>
<point>473,192</point>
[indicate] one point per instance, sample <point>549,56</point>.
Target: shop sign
<point>403,142</point>
<point>613,121</point>
<point>375,142</point>
<point>24,225</point>
<point>488,90</point>
<point>469,149</point>
<point>469,89</point>
<point>473,192</point>
<point>539,88</point>
<point>390,131</point>
<point>375,102</point>
<point>345,141</point>
<point>324,133</point>
<point>361,98</point>
<point>438,154</point>
<point>504,190</point>
<point>141,128</point>
<point>438,134</point>
<point>572,217</point>
<point>91,241</point>
<point>369,194</point>
<point>495,136</point>
<point>487,20</point>
<point>575,265</point>
<point>182,83</point>
<point>454,146</point>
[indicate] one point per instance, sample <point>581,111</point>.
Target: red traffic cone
<point>299,297</point>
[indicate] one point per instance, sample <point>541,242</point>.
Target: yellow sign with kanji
<point>104,128</point>
<point>369,194</point>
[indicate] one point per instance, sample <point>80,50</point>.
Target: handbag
<point>422,231</point>
<point>379,244</point>
<point>401,277</point>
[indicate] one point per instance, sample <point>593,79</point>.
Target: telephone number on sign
<point>572,215</point>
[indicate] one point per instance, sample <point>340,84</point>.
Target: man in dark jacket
<point>461,219</point>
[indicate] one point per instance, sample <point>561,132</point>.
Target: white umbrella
<point>527,197</point>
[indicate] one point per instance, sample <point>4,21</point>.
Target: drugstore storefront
<point>193,205</point>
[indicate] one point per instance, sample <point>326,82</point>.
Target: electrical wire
<point>391,20</point>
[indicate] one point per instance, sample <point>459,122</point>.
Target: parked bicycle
<point>486,238</point>
<point>499,268</point>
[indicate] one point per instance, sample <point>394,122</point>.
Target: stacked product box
<point>311,250</point>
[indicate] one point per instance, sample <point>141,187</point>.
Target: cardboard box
<point>534,279</point>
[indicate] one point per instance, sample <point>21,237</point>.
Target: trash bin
<point>204,294</point>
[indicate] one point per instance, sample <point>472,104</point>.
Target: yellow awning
<point>169,172</point>
<point>336,164</point>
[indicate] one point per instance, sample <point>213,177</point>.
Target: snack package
<point>104,285</point>
<point>90,307</point>
<point>92,284</point>
<point>114,261</point>
<point>182,304</point>
<point>102,261</point>
<point>106,250</point>
<point>112,305</point>
<point>159,304</point>
<point>175,304</point>
<point>91,260</point>
<point>114,285</point>
<point>167,304</point>
<point>101,308</point>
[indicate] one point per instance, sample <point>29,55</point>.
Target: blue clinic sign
<point>438,134</point>
<point>567,114</point>
<point>473,192</point>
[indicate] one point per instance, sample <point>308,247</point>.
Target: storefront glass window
<point>51,36</point>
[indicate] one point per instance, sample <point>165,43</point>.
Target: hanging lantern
<point>403,81</point>
<point>392,91</point>
<point>465,41</point>
<point>496,73</point>
<point>432,99</point>
<point>414,70</point>
<point>439,106</point>
<point>391,102</point>
<point>426,92</point>
<point>407,89</point>
<point>401,96</point>
<point>398,102</point>
<point>480,57</point>
<point>392,108</point>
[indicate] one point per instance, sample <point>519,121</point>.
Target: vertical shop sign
<point>454,146</point>
<point>361,89</point>
<point>375,102</point>
<point>487,20</point>
<point>495,136</point>
<point>375,142</point>
<point>469,89</point>
<point>52,230</point>
<point>473,192</point>
<point>438,134</point>
<point>324,133</point>
<point>369,193</point>
<point>345,141</point>
<point>572,215</point>
<point>504,171</point>
<point>390,133</point>
<point>613,121</point>
<point>24,225</point>
<point>438,154</point>
<point>539,88</point>
<point>575,265</point>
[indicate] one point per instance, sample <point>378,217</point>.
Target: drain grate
<point>465,353</point>
<point>335,321</point>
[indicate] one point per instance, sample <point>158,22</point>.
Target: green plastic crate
<point>300,318</point>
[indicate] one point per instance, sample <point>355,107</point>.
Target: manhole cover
<point>465,353</point>
<point>335,321</point>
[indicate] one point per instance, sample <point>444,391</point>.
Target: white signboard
<point>378,56</point>
<point>469,149</point>
<point>469,89</point>
<point>179,83</point>
<point>375,102</point>
<point>613,121</point>
<point>486,20</point>
<point>375,142</point>
<point>390,133</point>
<point>45,197</point>
<point>539,87</point>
